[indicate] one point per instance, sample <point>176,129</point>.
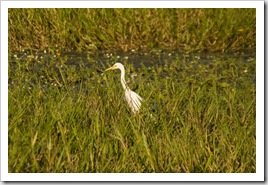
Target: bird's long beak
<point>110,68</point>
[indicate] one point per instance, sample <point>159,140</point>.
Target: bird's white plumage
<point>132,98</point>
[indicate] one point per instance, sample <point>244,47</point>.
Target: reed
<point>70,118</point>
<point>59,30</point>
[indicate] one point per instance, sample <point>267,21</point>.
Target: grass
<point>60,30</point>
<point>71,118</point>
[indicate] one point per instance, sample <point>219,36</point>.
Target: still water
<point>41,63</point>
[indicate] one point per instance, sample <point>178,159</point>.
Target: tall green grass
<point>70,118</point>
<point>59,30</point>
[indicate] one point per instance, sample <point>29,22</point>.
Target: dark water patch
<point>72,68</point>
<point>134,57</point>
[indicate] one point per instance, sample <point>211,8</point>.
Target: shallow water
<point>136,58</point>
<point>43,61</point>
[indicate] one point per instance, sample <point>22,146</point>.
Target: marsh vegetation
<point>65,115</point>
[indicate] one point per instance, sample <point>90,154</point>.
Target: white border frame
<point>258,176</point>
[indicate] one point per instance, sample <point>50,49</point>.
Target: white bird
<point>132,98</point>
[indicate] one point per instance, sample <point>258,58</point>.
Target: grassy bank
<point>59,30</point>
<point>70,118</point>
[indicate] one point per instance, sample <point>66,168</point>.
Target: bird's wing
<point>133,100</point>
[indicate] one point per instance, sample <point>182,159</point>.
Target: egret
<point>132,98</point>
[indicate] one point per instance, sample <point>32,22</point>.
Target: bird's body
<point>132,98</point>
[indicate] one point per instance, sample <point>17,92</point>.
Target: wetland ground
<point>67,116</point>
<point>196,72</point>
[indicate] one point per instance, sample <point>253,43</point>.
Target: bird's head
<point>115,66</point>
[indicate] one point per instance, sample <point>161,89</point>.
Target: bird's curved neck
<point>123,81</point>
